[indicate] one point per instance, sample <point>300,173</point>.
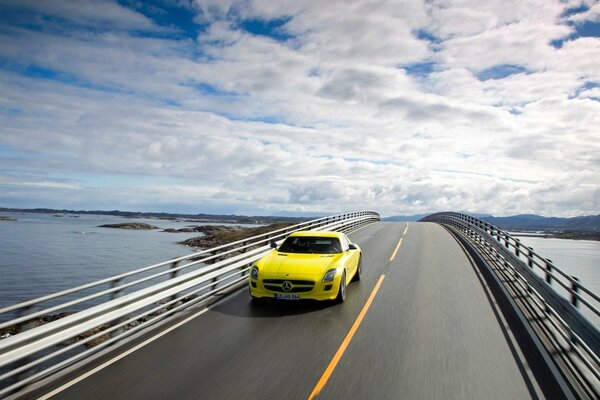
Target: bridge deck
<point>431,332</point>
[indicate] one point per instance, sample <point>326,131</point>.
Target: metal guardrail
<point>155,292</point>
<point>560,309</point>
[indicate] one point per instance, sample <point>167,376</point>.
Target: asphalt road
<point>431,332</point>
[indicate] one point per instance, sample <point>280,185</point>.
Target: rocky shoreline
<point>140,226</point>
<point>217,235</point>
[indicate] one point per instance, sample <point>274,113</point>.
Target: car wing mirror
<point>352,246</point>
<point>273,245</point>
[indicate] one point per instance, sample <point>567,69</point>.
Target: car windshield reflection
<point>311,245</point>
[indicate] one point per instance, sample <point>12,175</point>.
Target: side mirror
<point>352,246</point>
<point>273,245</point>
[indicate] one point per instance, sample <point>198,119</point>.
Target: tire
<point>341,296</point>
<point>358,272</point>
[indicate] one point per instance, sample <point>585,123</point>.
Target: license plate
<point>287,296</point>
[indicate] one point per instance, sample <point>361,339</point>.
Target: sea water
<point>44,253</point>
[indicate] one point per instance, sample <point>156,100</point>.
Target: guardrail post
<point>22,328</point>
<point>574,291</point>
<point>517,247</point>
<point>506,243</point>
<point>530,259</point>
<point>114,295</point>
<point>174,273</point>
<point>117,293</point>
<point>549,271</point>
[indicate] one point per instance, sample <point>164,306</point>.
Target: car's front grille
<point>297,286</point>
<point>292,281</point>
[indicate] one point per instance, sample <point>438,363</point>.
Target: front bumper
<point>320,290</point>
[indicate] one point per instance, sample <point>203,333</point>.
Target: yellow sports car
<point>307,265</point>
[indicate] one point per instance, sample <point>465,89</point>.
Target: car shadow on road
<point>241,305</point>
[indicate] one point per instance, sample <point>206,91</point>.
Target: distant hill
<point>531,222</point>
<point>404,218</point>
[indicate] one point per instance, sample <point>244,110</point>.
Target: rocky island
<point>130,225</point>
<point>217,235</point>
<point>3,218</point>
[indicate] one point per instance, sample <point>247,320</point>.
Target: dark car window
<point>311,245</point>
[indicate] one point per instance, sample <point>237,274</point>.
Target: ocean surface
<point>578,258</point>
<point>43,253</point>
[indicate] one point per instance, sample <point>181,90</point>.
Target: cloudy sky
<point>257,107</point>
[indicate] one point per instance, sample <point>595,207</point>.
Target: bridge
<point>450,307</point>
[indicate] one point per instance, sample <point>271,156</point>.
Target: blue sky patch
<point>586,86</point>
<point>168,14</point>
<point>423,34</point>
<point>500,72</point>
<point>420,70</point>
<point>575,10</point>
<point>171,103</point>
<point>34,71</point>
<point>265,119</point>
<point>212,90</point>
<point>582,29</point>
<point>273,28</point>
<point>587,29</point>
<point>37,72</point>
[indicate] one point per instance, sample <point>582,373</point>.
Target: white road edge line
<point>139,346</point>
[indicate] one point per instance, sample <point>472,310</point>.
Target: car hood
<point>301,264</point>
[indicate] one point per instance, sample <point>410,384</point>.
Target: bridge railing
<point>88,318</point>
<point>563,311</point>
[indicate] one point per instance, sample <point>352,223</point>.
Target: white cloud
<point>592,14</point>
<point>346,125</point>
<point>100,13</point>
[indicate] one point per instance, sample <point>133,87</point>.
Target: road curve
<point>431,332</point>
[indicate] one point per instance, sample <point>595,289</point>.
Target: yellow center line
<point>396,250</point>
<point>338,355</point>
<point>406,230</point>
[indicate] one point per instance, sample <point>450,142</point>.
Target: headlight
<point>329,275</point>
<point>254,273</point>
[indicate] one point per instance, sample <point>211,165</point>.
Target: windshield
<point>311,245</point>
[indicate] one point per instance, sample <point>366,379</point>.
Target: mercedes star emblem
<point>286,286</point>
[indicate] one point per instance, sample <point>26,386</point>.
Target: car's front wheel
<point>341,296</point>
